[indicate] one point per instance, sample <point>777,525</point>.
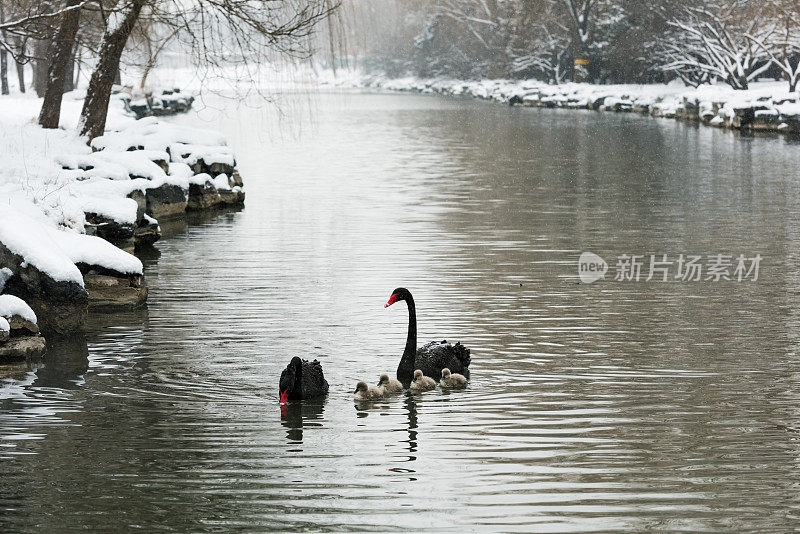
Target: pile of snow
<point>33,241</point>
<point>11,306</point>
<point>222,183</point>
<point>4,326</point>
<point>92,250</point>
<point>171,142</point>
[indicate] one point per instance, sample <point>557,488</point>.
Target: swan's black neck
<point>405,371</point>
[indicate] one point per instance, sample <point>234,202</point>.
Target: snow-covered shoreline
<point>72,213</point>
<point>766,106</point>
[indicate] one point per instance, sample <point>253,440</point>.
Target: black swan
<point>364,392</point>
<point>302,380</point>
<point>452,380</point>
<point>388,385</point>
<point>421,382</point>
<point>430,358</point>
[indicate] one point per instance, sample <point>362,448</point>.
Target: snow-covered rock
<point>167,102</point>
<point>765,106</point>
<point>55,270</point>
<point>33,241</point>
<point>11,306</point>
<point>20,317</point>
<point>72,201</point>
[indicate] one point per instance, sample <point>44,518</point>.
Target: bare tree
<point>95,105</point>
<point>153,38</point>
<point>220,33</point>
<point>59,75</point>
<point>35,20</point>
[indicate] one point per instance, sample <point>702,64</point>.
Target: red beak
<point>284,397</point>
<point>392,300</point>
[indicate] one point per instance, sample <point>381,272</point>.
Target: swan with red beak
<point>430,358</point>
<point>302,380</point>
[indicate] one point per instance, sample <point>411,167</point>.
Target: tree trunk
<point>59,74</point>
<point>77,66</point>
<point>21,76</point>
<point>98,94</point>
<point>580,60</point>
<point>41,52</point>
<point>20,66</point>
<point>69,77</point>
<point>146,73</point>
<point>3,57</point>
<point>4,71</point>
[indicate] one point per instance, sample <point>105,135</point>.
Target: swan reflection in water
<point>409,445</point>
<point>296,415</point>
<point>411,409</point>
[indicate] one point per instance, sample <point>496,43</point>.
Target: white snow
<point>11,306</point>
<point>33,240</point>
<point>4,326</point>
<point>200,179</point>
<point>92,250</point>
<point>221,182</point>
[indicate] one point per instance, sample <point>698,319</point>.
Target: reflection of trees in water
<point>297,415</point>
<point>66,360</point>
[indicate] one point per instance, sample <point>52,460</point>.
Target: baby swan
<point>422,383</point>
<point>389,386</point>
<point>364,392</point>
<point>452,380</point>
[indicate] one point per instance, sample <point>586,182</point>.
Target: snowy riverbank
<point>72,214</point>
<point>766,106</point>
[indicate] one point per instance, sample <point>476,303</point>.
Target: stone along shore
<point>61,258</point>
<point>766,107</point>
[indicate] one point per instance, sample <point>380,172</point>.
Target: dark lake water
<point>619,405</point>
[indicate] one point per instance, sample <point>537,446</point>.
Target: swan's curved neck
<point>405,371</point>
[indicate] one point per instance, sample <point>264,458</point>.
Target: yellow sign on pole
<point>582,62</point>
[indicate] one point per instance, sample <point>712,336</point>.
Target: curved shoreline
<point>767,107</point>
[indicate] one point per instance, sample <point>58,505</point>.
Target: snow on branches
<point>723,41</point>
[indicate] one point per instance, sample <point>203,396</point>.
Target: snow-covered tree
<point>782,42</point>
<point>581,15</point>
<point>719,40</point>
<point>541,44</point>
